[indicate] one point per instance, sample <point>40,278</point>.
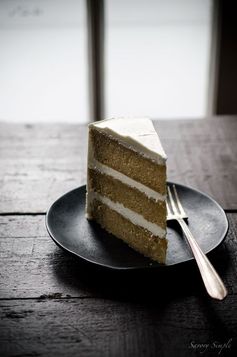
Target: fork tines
<point>174,207</point>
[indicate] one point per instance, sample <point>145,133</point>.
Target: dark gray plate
<point>68,227</point>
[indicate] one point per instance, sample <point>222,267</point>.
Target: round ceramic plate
<point>68,227</point>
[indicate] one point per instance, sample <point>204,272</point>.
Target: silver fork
<point>213,283</point>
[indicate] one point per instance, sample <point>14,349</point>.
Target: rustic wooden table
<point>52,304</point>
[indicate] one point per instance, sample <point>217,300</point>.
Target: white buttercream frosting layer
<point>96,165</point>
<point>133,217</point>
<point>135,133</point>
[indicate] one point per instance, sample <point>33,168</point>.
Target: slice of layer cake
<point>126,186</point>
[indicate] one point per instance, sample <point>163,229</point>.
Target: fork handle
<point>212,281</point>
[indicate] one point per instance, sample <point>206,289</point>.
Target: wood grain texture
<point>113,328</point>
<point>31,265</point>
<point>41,162</point>
<point>203,154</point>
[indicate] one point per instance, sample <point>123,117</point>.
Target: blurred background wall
<point>157,59</point>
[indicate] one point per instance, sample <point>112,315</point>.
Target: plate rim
<point>153,264</point>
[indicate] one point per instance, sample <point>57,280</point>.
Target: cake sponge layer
<point>113,154</point>
<point>131,198</point>
<point>135,236</point>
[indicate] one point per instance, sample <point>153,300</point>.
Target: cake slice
<point>126,183</point>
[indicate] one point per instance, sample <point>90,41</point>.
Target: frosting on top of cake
<point>137,133</point>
